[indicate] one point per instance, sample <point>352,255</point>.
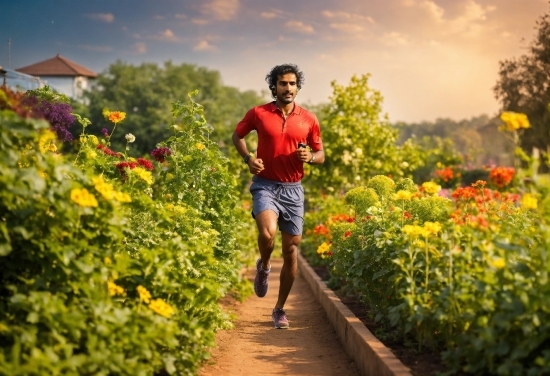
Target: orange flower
<point>117,116</point>
<point>502,176</point>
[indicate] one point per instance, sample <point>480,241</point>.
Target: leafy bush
<point>468,276</point>
<point>109,268</point>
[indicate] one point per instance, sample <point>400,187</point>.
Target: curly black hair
<point>279,70</point>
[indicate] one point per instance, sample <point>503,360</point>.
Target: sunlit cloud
<point>204,45</point>
<point>96,48</point>
<point>180,16</point>
<point>167,35</point>
<point>199,21</point>
<point>347,16</point>
<point>140,47</point>
<point>347,27</point>
<point>395,39</point>
<point>103,17</point>
<point>222,10</point>
<point>269,15</point>
<point>300,27</point>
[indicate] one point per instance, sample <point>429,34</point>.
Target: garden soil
<point>310,347</point>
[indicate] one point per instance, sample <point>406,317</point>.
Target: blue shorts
<point>285,199</point>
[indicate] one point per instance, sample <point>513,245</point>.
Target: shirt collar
<point>297,109</point>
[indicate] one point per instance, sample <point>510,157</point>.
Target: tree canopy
<point>146,92</point>
<point>524,86</point>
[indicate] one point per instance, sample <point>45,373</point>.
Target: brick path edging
<point>370,355</point>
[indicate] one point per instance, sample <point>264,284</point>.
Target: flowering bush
<point>467,275</point>
<point>104,273</point>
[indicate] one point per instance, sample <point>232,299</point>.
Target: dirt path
<point>310,347</point>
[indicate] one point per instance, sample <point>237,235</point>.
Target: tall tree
<point>524,86</point>
<point>146,92</point>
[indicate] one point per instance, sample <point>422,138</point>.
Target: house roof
<point>57,66</point>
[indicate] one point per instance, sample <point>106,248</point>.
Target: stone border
<point>370,355</point>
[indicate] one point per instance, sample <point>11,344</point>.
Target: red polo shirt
<point>278,139</point>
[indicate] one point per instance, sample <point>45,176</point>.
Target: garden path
<point>309,347</point>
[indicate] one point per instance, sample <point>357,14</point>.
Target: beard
<point>284,99</point>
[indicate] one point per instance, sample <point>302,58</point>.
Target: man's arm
<point>255,165</point>
<point>310,156</point>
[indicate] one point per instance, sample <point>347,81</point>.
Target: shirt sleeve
<point>247,124</point>
<point>314,138</point>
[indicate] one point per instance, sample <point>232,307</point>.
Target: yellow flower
<point>143,174</point>
<point>144,295</point>
<point>90,154</point>
<point>52,148</point>
<point>515,120</point>
<point>497,262</point>
<point>107,261</point>
<point>83,198</point>
<point>431,228</point>
<point>117,116</point>
<point>114,289</point>
<point>122,197</point>
<point>93,139</point>
<point>161,307</point>
<point>170,207</point>
<point>105,112</point>
<point>199,146</point>
<point>402,195</point>
<point>412,230</point>
<point>528,201</point>
<point>45,140</point>
<point>431,188</point>
<point>106,189</point>
<point>323,250</point>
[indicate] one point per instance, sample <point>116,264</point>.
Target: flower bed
<point>466,275</point>
<point>110,264</point>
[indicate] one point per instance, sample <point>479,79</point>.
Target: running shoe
<point>260,282</point>
<point>279,318</point>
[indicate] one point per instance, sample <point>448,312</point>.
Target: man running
<point>288,137</point>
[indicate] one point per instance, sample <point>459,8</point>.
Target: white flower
<point>130,137</point>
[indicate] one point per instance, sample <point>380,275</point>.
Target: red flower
<point>347,234</point>
<point>407,215</point>
<point>161,153</point>
<point>502,176</point>
<point>145,163</point>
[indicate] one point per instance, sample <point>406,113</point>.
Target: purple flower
<point>160,153</point>
<point>59,115</point>
<point>105,132</point>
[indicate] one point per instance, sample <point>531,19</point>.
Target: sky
<point>429,58</point>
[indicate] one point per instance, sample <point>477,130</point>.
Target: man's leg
<point>267,228</point>
<point>290,265</point>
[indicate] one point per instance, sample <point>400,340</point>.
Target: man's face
<point>286,89</point>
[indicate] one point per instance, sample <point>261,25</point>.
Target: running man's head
<point>284,82</point>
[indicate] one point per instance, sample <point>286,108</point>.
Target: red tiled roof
<point>57,66</point>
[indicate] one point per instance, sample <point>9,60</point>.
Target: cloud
<point>222,10</point>
<point>167,36</point>
<point>180,16</point>
<point>395,39</point>
<point>104,17</point>
<point>96,48</point>
<point>199,21</point>
<point>204,45</point>
<point>300,27</point>
<point>347,27</point>
<point>347,16</point>
<point>158,17</point>
<point>269,15</point>
<point>140,47</point>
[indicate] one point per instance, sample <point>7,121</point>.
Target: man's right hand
<point>255,165</point>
